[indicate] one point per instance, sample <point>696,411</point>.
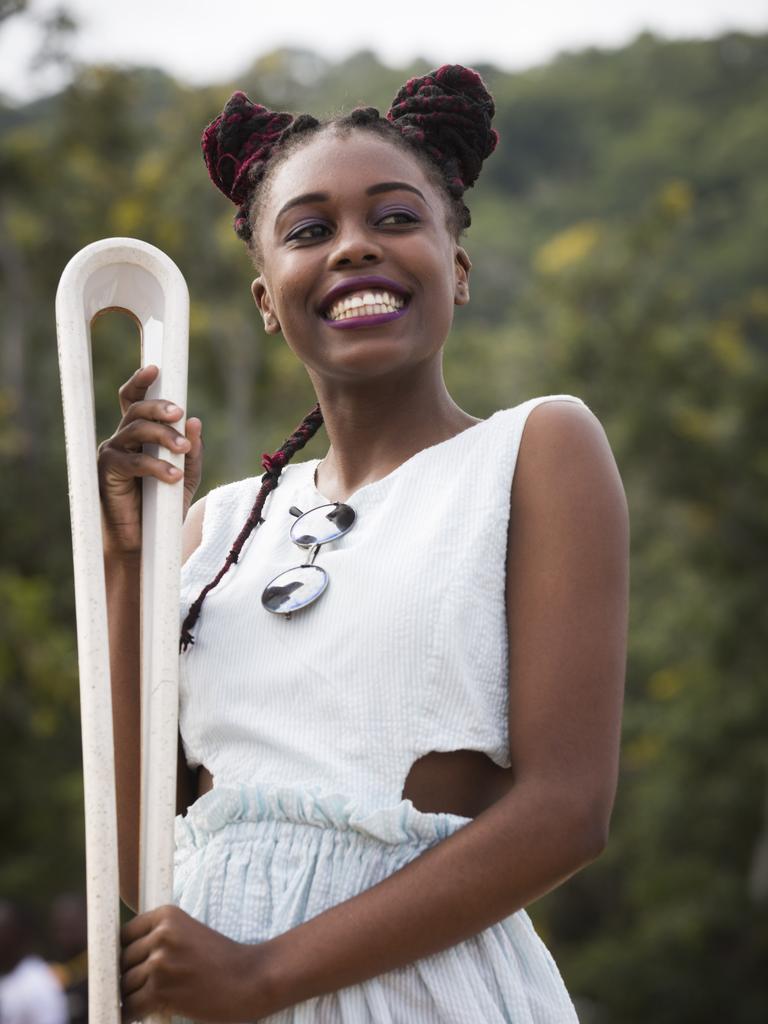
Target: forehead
<point>344,165</point>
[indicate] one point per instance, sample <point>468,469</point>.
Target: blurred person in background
<point>68,931</point>
<point>29,990</point>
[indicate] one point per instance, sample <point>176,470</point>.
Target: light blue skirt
<point>253,862</point>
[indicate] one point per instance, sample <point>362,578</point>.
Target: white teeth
<point>365,304</point>
<point>351,314</point>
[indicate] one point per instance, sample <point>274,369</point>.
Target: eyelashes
<point>410,217</point>
<point>301,233</point>
<point>312,230</point>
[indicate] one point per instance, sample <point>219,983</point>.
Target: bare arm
<point>122,577</point>
<point>567,614</point>
<point>191,537</point>
<point>121,467</point>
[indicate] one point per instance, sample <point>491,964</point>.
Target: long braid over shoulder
<point>273,464</point>
<point>442,118</point>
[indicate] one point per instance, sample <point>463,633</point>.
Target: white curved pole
<point>130,275</point>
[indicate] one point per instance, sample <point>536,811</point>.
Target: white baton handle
<point>130,275</point>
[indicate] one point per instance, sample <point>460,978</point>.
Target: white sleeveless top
<point>406,651</point>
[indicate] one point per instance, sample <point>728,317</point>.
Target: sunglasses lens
<point>319,525</point>
<point>294,588</point>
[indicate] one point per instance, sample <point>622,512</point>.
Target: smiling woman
<point>407,739</point>
<point>396,225</point>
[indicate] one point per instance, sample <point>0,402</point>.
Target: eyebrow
<point>373,190</point>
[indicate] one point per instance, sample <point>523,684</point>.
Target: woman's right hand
<point>121,461</point>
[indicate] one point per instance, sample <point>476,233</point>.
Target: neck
<point>374,427</point>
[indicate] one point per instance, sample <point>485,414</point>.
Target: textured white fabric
<point>310,725</point>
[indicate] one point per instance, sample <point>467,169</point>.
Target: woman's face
<point>338,211</point>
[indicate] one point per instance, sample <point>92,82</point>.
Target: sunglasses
<point>296,588</point>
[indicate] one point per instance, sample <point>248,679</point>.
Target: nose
<point>355,245</point>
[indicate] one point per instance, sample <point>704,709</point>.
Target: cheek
<point>293,283</point>
<point>286,300</point>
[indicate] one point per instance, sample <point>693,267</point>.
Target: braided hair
<point>442,118</point>
<point>273,464</point>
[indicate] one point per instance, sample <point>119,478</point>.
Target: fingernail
<point>170,407</point>
<point>183,443</point>
<point>174,472</point>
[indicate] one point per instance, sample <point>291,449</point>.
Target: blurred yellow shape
<point>151,171</point>
<point>697,424</point>
<point>642,751</point>
<point>568,248</point>
<point>666,683</point>
<point>128,216</point>
<point>676,198</point>
<point>200,319</point>
<point>727,343</point>
<point>24,226</point>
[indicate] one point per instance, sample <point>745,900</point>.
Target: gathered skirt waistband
<point>253,862</point>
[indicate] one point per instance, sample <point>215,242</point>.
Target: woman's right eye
<point>305,232</point>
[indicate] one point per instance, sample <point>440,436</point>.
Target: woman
<point>420,750</point>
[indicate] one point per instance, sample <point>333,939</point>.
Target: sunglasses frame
<point>313,547</point>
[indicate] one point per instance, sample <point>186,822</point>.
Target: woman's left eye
<point>406,217</point>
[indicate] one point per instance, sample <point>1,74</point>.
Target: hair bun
<point>449,112</point>
<point>239,142</point>
<point>363,115</point>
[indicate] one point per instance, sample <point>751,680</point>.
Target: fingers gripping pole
<point>129,275</point>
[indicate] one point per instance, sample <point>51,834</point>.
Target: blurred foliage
<point>618,246</point>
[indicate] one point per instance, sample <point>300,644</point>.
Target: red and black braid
<point>449,113</point>
<point>273,464</point>
<point>238,146</point>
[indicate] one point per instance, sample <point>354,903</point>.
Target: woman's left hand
<point>172,963</point>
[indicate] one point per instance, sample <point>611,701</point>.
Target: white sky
<point>203,41</point>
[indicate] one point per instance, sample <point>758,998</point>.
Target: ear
<point>263,302</point>
<point>463,265</point>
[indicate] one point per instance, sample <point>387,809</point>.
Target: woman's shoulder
<point>192,530</point>
<point>549,448</point>
<point>510,429</point>
<point>524,409</point>
<point>564,454</point>
<point>553,420</point>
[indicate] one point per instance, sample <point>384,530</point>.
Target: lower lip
<point>366,321</point>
